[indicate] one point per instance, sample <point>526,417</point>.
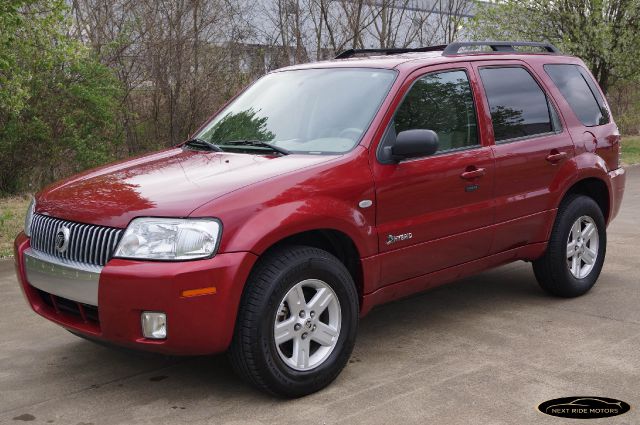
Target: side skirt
<point>422,283</point>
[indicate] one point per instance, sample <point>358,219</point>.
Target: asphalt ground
<point>485,350</point>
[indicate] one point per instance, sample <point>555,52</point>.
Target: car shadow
<point>187,379</point>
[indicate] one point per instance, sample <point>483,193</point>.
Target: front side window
<point>441,102</point>
<point>303,111</point>
<point>519,107</point>
<point>579,90</point>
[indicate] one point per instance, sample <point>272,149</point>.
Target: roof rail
<point>497,46</point>
<point>395,51</point>
<point>452,48</point>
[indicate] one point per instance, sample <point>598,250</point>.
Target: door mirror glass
<point>414,144</point>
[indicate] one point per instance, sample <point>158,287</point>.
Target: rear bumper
<point>196,325</point>
<point>618,179</point>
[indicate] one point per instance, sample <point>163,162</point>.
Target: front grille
<point>85,312</point>
<point>88,243</point>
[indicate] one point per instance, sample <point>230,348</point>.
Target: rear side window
<point>441,102</point>
<point>519,107</point>
<point>580,91</point>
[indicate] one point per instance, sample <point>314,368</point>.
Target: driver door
<point>436,211</point>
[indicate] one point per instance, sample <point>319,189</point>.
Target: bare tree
<point>399,23</point>
<point>178,60</point>
<point>451,15</point>
<point>169,56</point>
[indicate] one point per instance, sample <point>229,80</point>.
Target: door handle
<point>556,156</point>
<point>473,173</point>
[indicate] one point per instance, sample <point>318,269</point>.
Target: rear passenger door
<point>530,145</point>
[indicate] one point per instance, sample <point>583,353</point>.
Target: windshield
<point>303,111</point>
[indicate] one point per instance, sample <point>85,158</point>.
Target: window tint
<point>441,102</point>
<point>519,107</point>
<point>580,91</point>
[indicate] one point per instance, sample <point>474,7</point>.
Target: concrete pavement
<point>487,350</point>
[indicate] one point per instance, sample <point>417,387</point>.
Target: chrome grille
<point>88,243</point>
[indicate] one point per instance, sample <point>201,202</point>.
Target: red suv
<point>323,190</point>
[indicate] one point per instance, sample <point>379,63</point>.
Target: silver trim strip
<point>64,278</point>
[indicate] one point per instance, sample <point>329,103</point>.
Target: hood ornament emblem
<point>62,239</point>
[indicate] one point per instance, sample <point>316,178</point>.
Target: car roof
<point>407,60</point>
<point>373,61</point>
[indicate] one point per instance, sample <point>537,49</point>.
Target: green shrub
<point>63,108</point>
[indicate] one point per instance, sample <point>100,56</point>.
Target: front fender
<point>279,222</point>
<point>323,196</point>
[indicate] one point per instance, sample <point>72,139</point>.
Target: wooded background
<point>84,82</point>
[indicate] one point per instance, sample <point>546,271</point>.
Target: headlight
<point>169,239</point>
<point>29,217</point>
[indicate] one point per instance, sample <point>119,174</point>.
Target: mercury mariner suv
<point>323,190</point>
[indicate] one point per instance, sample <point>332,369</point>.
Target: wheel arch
<point>596,189</point>
<point>335,242</point>
<point>586,174</point>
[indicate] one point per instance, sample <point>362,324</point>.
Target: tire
<point>556,271</point>
<point>273,367</point>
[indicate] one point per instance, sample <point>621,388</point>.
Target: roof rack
<point>497,46</point>
<point>355,52</point>
<point>453,48</point>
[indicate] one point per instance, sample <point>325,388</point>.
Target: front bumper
<point>197,325</point>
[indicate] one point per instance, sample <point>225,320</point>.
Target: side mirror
<point>414,143</point>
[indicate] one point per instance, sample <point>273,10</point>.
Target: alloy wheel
<point>582,247</point>
<point>307,324</point>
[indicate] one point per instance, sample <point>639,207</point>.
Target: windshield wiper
<point>201,143</point>
<point>257,143</point>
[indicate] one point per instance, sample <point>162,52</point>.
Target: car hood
<point>169,183</point>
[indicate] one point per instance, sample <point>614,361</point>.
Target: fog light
<point>154,325</point>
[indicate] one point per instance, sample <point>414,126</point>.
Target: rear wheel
<point>297,322</point>
<point>576,250</point>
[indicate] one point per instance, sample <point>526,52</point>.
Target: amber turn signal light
<point>200,291</point>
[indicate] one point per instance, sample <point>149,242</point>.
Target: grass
<point>631,150</point>
<point>12,211</point>
<point>13,208</point>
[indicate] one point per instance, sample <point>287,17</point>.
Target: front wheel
<point>297,322</point>
<point>576,250</point>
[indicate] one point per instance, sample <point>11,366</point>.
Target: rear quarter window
<point>580,92</point>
